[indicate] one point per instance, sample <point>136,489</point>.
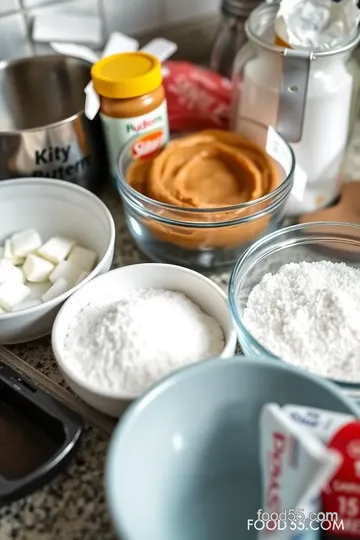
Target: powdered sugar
<point>129,344</point>
<point>308,314</point>
<point>317,24</point>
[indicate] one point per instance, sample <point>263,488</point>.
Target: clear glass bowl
<point>335,242</point>
<point>207,240</point>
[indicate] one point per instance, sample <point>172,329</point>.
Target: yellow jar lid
<point>126,75</point>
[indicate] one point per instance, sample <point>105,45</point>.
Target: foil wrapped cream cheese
<point>316,24</point>
<point>295,467</point>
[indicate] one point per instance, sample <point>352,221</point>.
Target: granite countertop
<point>72,506</point>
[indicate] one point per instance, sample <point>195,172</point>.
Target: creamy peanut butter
<point>213,169</point>
<point>132,103</point>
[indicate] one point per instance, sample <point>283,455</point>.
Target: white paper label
<point>276,148</point>
<point>300,181</point>
<point>119,43</point>
<point>150,132</point>
<point>161,48</point>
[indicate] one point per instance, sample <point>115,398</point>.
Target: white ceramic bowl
<point>204,292</point>
<point>52,207</point>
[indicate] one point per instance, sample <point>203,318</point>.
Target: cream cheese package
<point>341,496</point>
<point>295,466</point>
<point>323,424</point>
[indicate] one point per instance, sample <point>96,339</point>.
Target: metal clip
<point>293,94</point>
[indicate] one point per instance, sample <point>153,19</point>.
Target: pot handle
<point>293,94</point>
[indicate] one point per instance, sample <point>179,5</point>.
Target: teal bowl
<point>183,462</point>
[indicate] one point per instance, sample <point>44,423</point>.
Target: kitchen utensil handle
<point>293,94</point>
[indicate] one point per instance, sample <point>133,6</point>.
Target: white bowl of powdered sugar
<point>122,332</point>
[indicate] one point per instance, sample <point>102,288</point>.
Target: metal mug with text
<point>43,129</point>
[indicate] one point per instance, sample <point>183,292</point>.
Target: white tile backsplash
<point>77,7</point>
<point>131,16</point>
<point>128,16</point>
<point>6,6</point>
<point>14,42</point>
<point>35,3</point>
<point>183,10</point>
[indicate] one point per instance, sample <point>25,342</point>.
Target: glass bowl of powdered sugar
<point>295,296</point>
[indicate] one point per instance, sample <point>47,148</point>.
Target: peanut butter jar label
<point>150,132</point>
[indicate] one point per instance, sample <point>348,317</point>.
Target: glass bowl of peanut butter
<point>206,196</point>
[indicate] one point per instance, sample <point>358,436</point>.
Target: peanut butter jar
<point>207,196</point>
<point>132,104</point>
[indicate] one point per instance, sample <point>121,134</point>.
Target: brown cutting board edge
<point>347,210</point>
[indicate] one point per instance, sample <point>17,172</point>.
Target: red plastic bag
<point>197,98</point>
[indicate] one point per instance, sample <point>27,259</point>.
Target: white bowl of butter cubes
<point>54,237</point>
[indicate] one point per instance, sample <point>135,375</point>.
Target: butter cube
<point>81,278</point>
<point>26,305</point>
<point>56,249</point>
<point>10,256</point>
<point>57,289</point>
<point>83,258</point>
<point>37,269</point>
<point>7,253</point>
<point>12,293</point>
<point>25,242</point>
<point>37,290</point>
<point>67,271</point>
<point>10,272</point>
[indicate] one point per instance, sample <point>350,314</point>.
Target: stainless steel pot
<point>43,129</point>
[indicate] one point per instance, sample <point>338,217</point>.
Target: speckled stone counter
<point>72,506</point>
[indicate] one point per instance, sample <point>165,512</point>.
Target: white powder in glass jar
<point>308,314</point>
<point>130,344</point>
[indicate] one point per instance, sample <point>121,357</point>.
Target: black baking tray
<point>38,436</point>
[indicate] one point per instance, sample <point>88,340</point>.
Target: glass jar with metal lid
<point>309,96</point>
<point>230,36</point>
